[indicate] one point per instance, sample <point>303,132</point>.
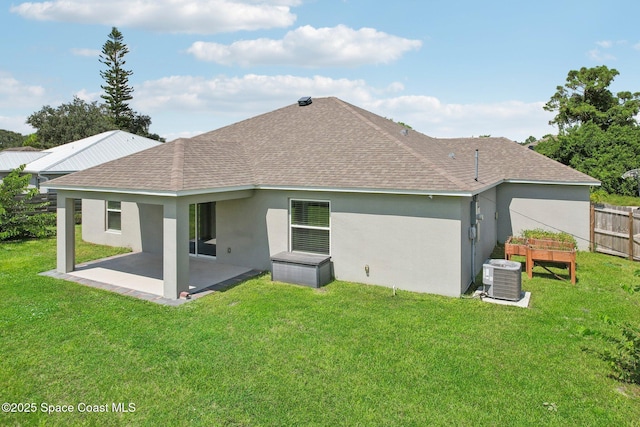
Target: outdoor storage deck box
<point>302,269</point>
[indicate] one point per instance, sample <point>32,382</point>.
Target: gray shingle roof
<point>328,144</point>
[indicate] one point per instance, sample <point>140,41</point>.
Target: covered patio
<point>162,265</point>
<point>139,275</point>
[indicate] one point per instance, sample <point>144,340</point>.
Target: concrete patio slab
<point>140,275</point>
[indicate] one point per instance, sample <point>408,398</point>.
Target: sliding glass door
<point>202,229</point>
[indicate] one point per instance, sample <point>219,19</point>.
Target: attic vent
<point>305,100</point>
<point>405,131</point>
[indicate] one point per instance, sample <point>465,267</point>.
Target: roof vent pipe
<point>476,177</point>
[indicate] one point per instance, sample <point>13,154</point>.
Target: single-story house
<point>73,156</point>
<point>389,205</point>
<point>12,158</point>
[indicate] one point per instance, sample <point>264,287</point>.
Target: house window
<point>310,226</point>
<point>114,216</point>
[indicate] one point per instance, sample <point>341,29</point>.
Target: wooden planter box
<point>515,246</point>
<point>553,251</point>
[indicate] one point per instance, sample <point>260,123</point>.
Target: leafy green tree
<point>586,98</point>
<point>19,215</point>
<point>32,141</point>
<point>140,124</point>
<point>602,154</point>
<point>598,132</point>
<point>10,139</point>
<point>116,87</point>
<point>69,122</point>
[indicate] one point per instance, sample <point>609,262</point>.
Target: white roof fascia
<point>202,191</point>
<point>142,192</point>
<point>253,187</point>
<point>528,181</point>
<point>368,190</point>
<point>547,182</point>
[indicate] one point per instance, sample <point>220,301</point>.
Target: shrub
<point>624,356</point>
<point>20,217</point>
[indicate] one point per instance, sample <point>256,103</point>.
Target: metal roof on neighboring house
<point>327,144</point>
<point>88,152</point>
<point>10,159</point>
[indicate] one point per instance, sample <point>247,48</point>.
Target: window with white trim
<point>114,216</point>
<point>309,225</point>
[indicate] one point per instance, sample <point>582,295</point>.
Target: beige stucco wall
<point>551,207</point>
<point>410,242</point>
<point>487,226</point>
<point>407,241</point>
<point>249,230</point>
<point>94,228</point>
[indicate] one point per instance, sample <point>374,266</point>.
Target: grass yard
<point>264,353</point>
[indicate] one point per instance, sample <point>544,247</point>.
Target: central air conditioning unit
<point>504,279</point>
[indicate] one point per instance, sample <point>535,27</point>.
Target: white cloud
<point>174,16</point>
<point>603,50</point>
<point>16,124</point>
<point>17,101</point>
<point>87,96</point>
<point>599,55</point>
<point>174,101</point>
<point>307,46</point>
<point>15,94</point>
<point>183,106</point>
<point>93,53</point>
<point>250,93</point>
<point>512,119</point>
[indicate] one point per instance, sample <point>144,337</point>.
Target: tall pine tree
<point>117,89</point>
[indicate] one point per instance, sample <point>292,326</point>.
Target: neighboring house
<point>74,156</point>
<point>390,206</point>
<point>12,158</point>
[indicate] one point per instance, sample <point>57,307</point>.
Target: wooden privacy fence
<point>41,198</point>
<point>615,231</point>
<point>53,202</point>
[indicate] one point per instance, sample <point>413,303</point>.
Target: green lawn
<point>265,353</point>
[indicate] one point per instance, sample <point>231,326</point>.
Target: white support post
<point>65,234</point>
<point>175,248</point>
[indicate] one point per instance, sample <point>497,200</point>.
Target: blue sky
<point>448,69</point>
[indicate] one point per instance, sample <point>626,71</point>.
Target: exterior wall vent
<point>504,279</point>
<point>305,100</point>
